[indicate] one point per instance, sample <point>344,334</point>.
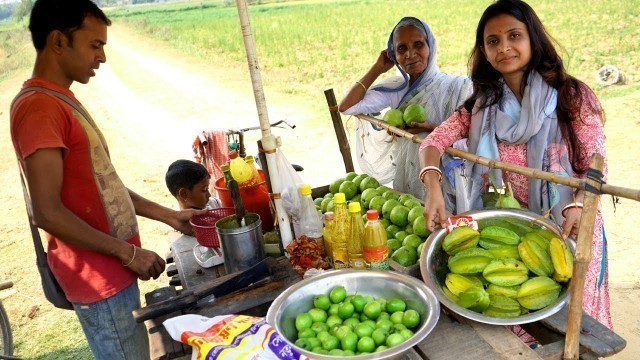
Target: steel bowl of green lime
<point>355,314</point>
<point>514,269</point>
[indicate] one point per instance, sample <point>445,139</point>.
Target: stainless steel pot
<point>433,266</point>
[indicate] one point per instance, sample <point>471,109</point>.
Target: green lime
<point>396,304</point>
<point>409,228</point>
<point>318,201</point>
<point>363,318</point>
<point>330,343</point>
<point>382,189</point>
<point>398,327</point>
<point>412,240</point>
<point>342,330</point>
<point>393,245</point>
<point>383,303</point>
<point>328,195</point>
<point>358,302</point>
<point>367,195</point>
<point>379,336</point>
<point>394,339</point>
<point>405,256</point>
<point>420,227</point>
<point>346,310</point>
<point>314,342</point>
<point>303,321</point>
<point>368,183</point>
<point>392,230</point>
<point>376,203</point>
<point>370,323</point>
<point>358,179</point>
<point>381,348</point>
<point>366,344</point>
<point>384,324</point>
<point>319,327</point>
<point>322,301</point>
<point>363,330</point>
<point>306,333</point>
<point>406,333</point>
<point>411,319</point>
<point>336,352</point>
<point>318,315</point>
<point>337,294</point>
<point>334,187</point>
<point>350,176</point>
<point>303,343</point>
<point>419,249</point>
<point>390,194</point>
<point>351,322</point>
<point>349,189</point>
<point>323,335</point>
<point>348,352</point>
<point>400,235</point>
<point>396,317</point>
<point>323,204</point>
<point>331,206</point>
<point>372,310</point>
<point>399,216</point>
<point>385,222</point>
<point>333,320</point>
<point>414,213</point>
<point>349,341</point>
<point>333,309</point>
<point>387,207</point>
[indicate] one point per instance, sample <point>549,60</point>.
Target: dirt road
<point>151,101</point>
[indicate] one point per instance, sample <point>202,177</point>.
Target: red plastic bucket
<point>255,199</point>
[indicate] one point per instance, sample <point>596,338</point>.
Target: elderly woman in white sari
<point>412,49</point>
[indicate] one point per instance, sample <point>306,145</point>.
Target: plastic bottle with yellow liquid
<point>340,234</point>
<point>255,175</point>
<point>374,246</point>
<point>326,235</point>
<point>240,170</point>
<point>356,235</point>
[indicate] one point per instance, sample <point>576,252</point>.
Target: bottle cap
<point>338,198</point>
<point>328,216</point>
<point>305,189</point>
<point>233,154</point>
<point>224,167</point>
<point>249,159</point>
<point>354,206</point>
<point>372,214</point>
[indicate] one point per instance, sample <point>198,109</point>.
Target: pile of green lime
<point>342,325</point>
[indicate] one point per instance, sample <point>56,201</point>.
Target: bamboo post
<point>343,142</point>
<point>582,258</point>
<point>633,194</point>
<point>268,140</point>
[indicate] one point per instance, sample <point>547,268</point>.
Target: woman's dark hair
<point>62,15</point>
<point>544,59</point>
<point>184,174</point>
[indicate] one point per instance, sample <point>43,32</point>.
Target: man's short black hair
<point>63,15</point>
<point>184,174</point>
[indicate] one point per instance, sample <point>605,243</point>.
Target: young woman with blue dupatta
<point>412,49</point>
<point>525,110</point>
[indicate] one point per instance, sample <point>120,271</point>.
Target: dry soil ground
<point>150,101</point>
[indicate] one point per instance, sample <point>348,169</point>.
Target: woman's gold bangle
<point>361,84</point>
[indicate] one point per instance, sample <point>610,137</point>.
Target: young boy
<point>188,182</point>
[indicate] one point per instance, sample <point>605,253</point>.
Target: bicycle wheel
<point>6,347</point>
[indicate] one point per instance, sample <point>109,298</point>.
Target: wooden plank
<point>161,345</point>
<point>594,336</point>
<point>504,342</point>
<point>451,340</point>
<point>411,354</point>
<point>555,351</point>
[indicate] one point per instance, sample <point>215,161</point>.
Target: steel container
<point>242,247</point>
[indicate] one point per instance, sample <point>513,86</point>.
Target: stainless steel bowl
<point>433,266</point>
<point>386,284</point>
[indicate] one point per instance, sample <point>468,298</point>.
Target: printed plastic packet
<point>230,337</point>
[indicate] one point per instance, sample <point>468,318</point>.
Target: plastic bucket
<point>255,199</point>
<point>242,247</point>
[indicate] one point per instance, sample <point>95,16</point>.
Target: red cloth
<point>211,150</point>
<point>91,189</point>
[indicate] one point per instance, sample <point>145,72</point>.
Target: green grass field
<point>305,47</point>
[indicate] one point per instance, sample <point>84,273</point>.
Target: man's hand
<point>180,220</point>
<point>146,263</point>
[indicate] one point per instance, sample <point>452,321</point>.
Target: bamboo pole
<point>268,140</point>
<point>343,142</point>
<point>581,263</point>
<point>633,194</point>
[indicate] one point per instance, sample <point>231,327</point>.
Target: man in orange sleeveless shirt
<point>88,214</point>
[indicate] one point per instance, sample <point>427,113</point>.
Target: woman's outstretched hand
<point>434,210</point>
<point>384,62</point>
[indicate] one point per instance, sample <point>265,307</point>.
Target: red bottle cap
<point>233,154</point>
<point>372,214</point>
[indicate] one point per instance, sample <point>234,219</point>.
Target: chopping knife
<point>219,287</point>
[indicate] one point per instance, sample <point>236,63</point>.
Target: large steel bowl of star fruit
<point>500,277</point>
